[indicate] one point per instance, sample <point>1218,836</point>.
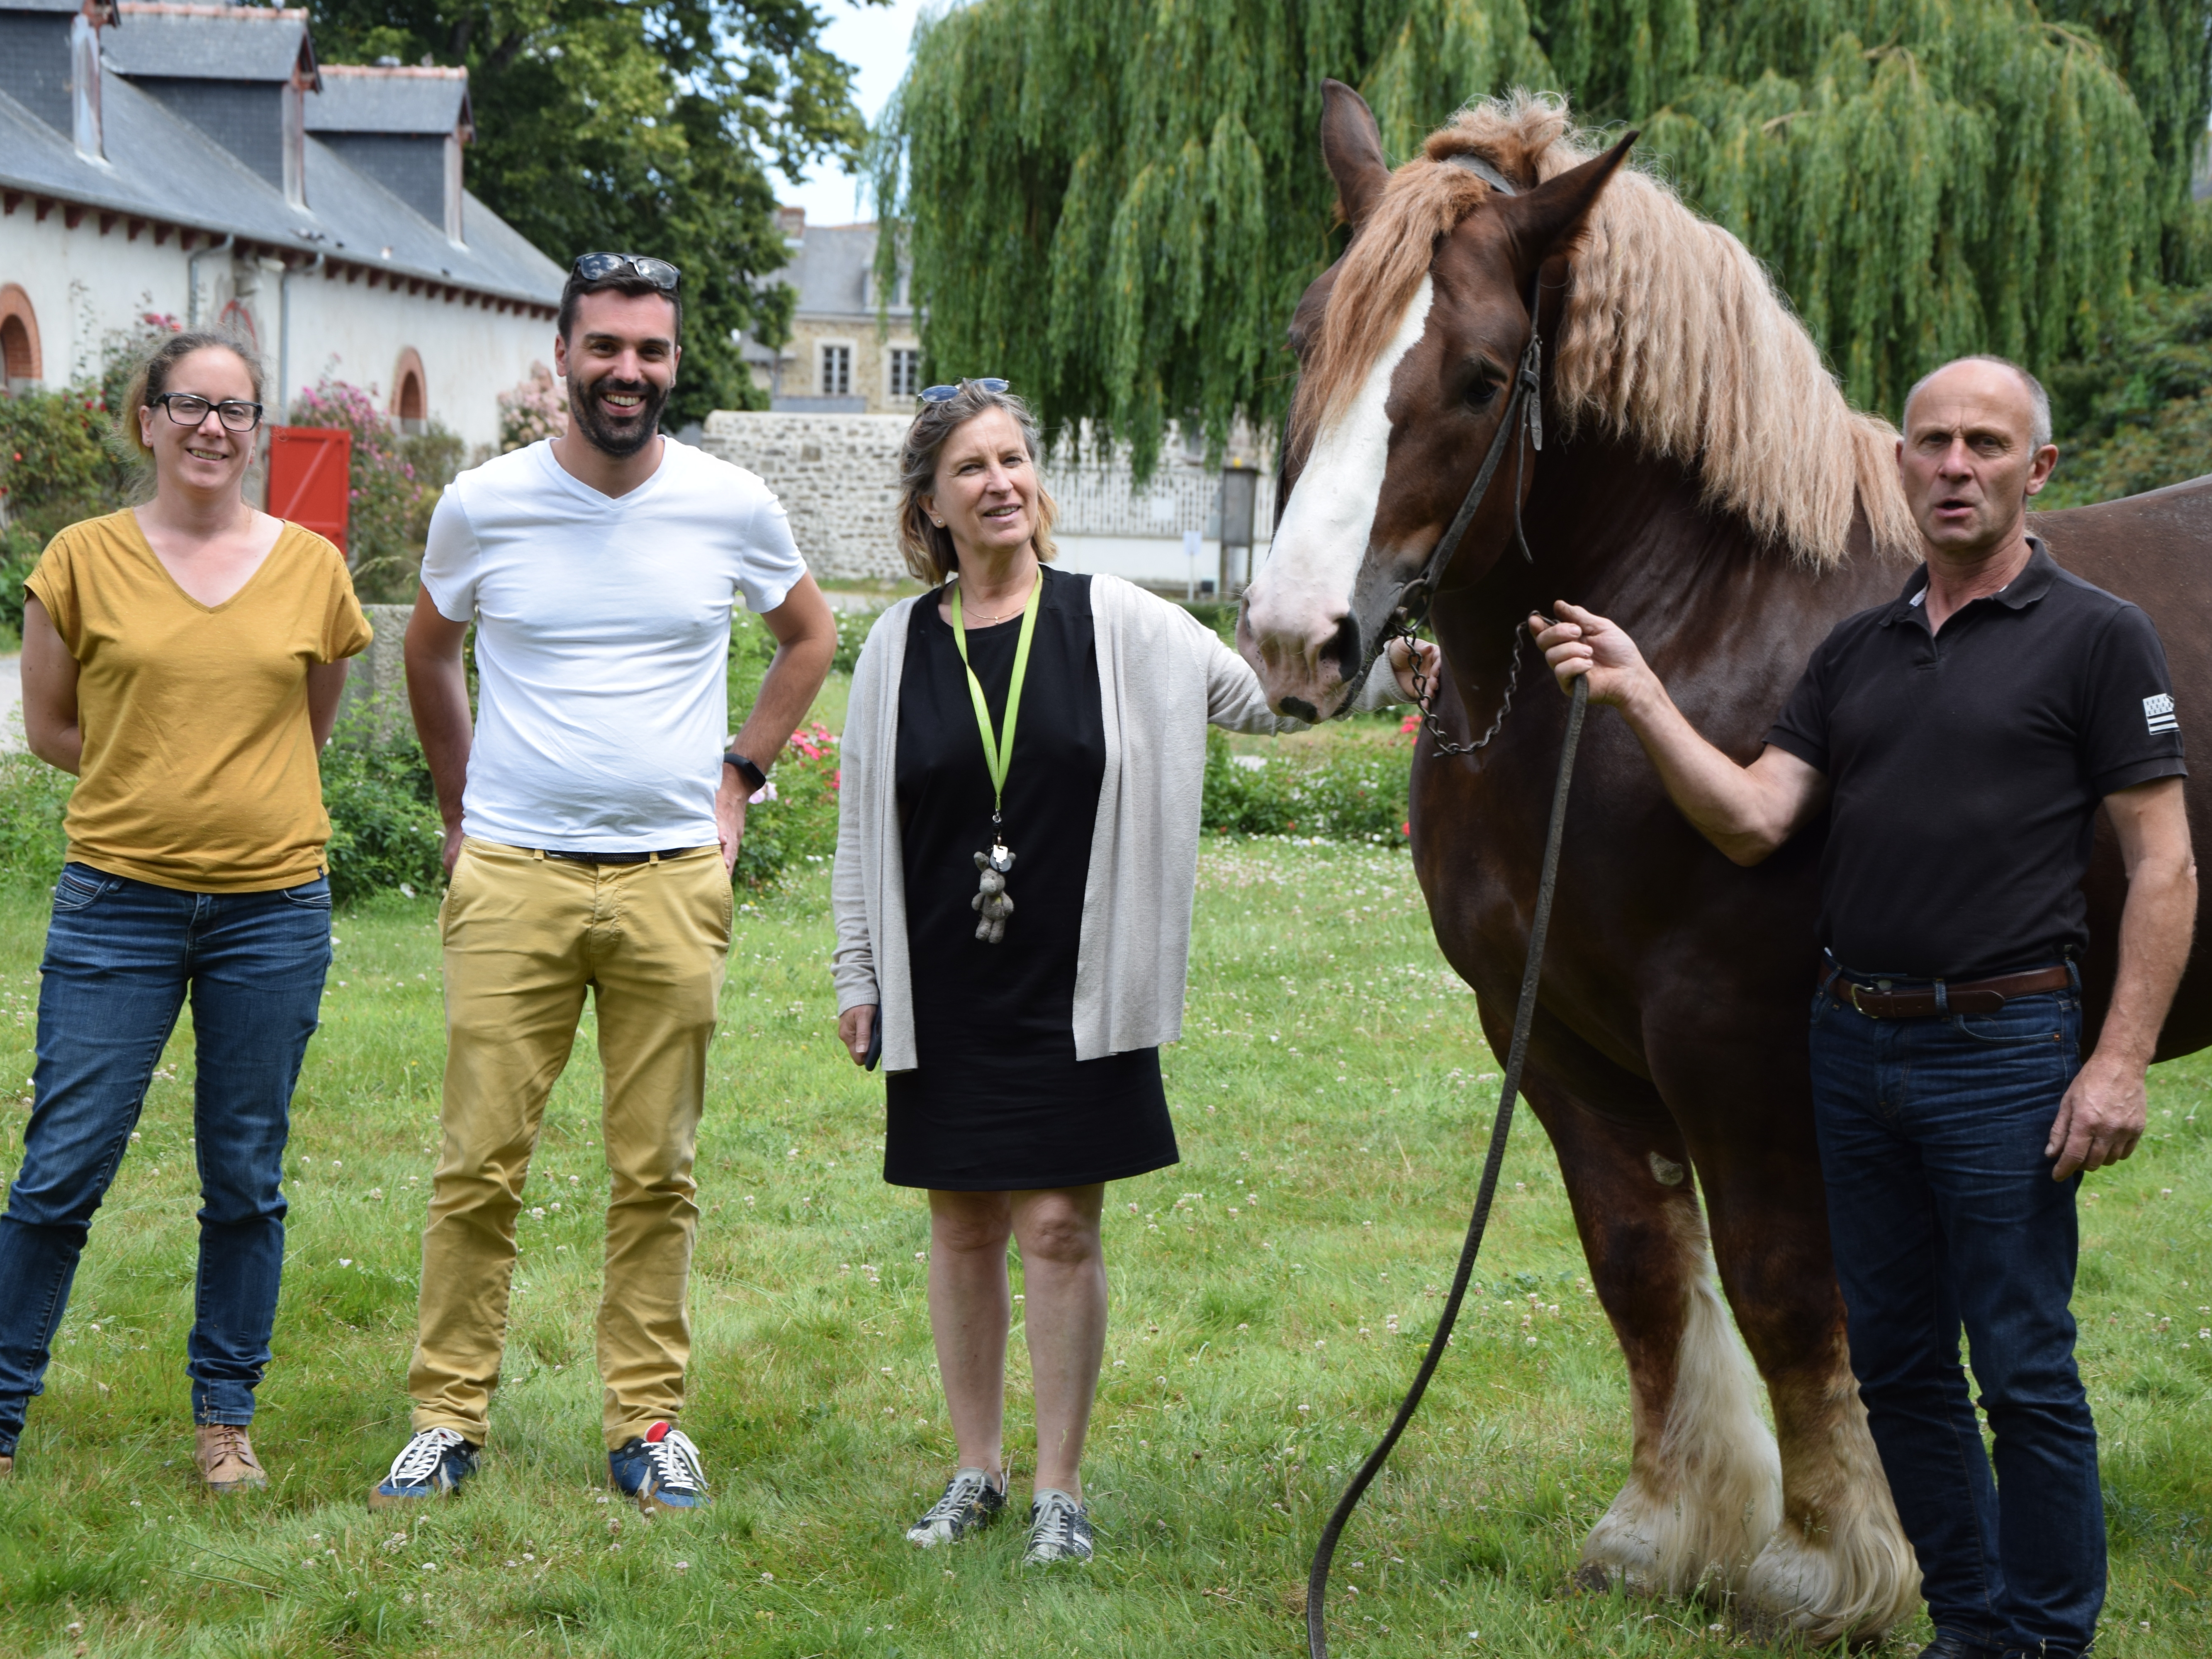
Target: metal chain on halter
<point>1421,689</point>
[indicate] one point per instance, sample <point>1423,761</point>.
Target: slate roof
<point>160,167</point>
<point>210,43</point>
<point>830,269</point>
<point>420,101</point>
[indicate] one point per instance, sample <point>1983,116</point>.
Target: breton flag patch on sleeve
<point>2158,713</point>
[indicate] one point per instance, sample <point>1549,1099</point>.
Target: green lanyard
<point>998,751</point>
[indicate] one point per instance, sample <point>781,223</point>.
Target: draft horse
<point>1705,484</point>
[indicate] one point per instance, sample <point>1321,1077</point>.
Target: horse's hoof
<point>1594,1578</point>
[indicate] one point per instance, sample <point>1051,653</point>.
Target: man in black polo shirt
<point>1961,739</point>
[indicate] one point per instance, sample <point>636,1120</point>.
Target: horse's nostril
<point>1343,645</point>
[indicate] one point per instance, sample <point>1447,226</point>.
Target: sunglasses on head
<point>598,267</point>
<point>945,394</point>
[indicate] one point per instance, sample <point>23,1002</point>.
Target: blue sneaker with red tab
<point>661,1470</point>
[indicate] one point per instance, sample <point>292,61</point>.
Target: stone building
<point>842,393</point>
<point>842,358</point>
<point>838,477</point>
<point>195,165</point>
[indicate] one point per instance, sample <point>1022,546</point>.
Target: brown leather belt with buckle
<point>1973,996</point>
<point>615,857</point>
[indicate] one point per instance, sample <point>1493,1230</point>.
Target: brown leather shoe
<point>6,1466</point>
<point>226,1458</point>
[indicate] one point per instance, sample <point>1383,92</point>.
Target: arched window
<point>410,404</point>
<point>19,339</point>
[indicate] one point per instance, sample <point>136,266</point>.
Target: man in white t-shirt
<point>592,817</point>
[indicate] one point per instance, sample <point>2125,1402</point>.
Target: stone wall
<point>837,475</point>
<point>377,679</point>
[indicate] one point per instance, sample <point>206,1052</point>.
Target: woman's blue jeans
<point>1943,1213</point>
<point>121,957</point>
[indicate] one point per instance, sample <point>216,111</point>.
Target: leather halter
<point>1524,419</point>
<point>1522,425</point>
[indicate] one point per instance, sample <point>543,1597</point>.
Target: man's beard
<point>598,429</point>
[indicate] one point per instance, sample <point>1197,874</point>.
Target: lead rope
<point>1524,1015</point>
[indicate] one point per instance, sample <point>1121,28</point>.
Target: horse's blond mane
<point>1675,339</point>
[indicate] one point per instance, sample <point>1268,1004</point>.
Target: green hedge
<point>1354,788</point>
<point>386,835</point>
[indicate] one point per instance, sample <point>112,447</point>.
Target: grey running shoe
<point>1060,1529</point>
<point>970,1504</point>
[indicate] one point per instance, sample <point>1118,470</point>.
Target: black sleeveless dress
<point>998,1101</point>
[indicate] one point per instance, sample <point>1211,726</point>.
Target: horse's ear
<point>1351,147</point>
<point>1546,220</point>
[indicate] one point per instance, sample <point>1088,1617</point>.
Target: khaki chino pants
<point>524,937</point>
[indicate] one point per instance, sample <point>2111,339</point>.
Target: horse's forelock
<point>1388,256</point>
<point>1424,202</point>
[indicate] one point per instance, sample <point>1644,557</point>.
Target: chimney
<point>792,221</point>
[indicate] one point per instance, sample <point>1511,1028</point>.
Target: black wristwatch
<point>756,779</point>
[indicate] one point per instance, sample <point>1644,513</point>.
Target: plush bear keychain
<point>994,903</point>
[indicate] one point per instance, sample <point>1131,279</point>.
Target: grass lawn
<point>1269,1298</point>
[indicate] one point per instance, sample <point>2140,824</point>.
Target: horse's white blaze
<point>1304,589</point>
<point>1698,1512</point>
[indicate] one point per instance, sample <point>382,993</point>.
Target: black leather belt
<point>1878,1001</point>
<point>615,858</point>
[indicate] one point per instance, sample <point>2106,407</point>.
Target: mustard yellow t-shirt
<point>199,766</point>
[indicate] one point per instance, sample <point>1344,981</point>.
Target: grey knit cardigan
<point>1162,678</point>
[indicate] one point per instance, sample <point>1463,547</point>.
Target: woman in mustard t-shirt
<point>184,659</point>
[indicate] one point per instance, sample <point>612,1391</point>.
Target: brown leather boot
<point>226,1458</point>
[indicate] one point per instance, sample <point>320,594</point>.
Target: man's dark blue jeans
<point>121,957</point>
<point>1943,1213</point>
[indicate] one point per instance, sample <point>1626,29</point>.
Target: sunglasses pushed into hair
<point>598,267</point>
<point>945,394</point>
<point>189,409</point>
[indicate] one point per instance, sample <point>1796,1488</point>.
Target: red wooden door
<point>309,470</point>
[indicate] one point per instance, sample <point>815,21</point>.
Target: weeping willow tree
<point>1116,203</point>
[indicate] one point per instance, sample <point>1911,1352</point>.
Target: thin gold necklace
<point>993,622</point>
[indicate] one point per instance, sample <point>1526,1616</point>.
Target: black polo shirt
<point>1967,767</point>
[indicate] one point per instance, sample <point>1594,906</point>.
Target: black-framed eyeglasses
<point>189,409</point>
<point>945,394</point>
<point>598,267</point>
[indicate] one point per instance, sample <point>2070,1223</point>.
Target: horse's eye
<point>1481,391</point>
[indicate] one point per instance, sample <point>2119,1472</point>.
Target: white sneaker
<point>1060,1529</point>
<point>970,1504</point>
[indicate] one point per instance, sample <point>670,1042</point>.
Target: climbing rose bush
<point>394,484</point>
<point>535,409</point>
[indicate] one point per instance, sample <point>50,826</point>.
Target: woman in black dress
<point>1019,734</point>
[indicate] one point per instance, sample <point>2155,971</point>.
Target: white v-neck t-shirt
<point>603,638</point>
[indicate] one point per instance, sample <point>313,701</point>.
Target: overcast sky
<point>873,39</point>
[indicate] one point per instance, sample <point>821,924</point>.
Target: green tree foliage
<point>2135,413</point>
<point>1116,203</point>
<point>2163,49</point>
<point>637,125</point>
